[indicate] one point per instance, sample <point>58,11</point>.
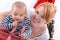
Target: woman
<point>39,20</point>
<point>51,24</point>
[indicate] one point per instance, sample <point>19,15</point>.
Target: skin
<point>37,22</point>
<point>17,15</point>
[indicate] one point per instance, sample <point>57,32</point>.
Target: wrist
<point>22,36</point>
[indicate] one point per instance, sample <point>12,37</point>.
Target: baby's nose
<point>18,16</point>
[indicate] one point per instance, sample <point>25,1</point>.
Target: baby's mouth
<point>17,19</point>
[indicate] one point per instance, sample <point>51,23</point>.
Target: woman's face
<point>38,14</point>
<point>37,19</point>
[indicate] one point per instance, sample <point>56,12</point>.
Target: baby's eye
<point>21,15</point>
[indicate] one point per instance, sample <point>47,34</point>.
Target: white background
<point>5,5</point>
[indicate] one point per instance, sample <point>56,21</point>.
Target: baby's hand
<point>22,36</point>
<point>15,23</point>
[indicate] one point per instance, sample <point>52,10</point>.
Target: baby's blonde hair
<point>49,10</point>
<point>19,5</point>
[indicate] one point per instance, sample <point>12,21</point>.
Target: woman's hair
<point>49,10</point>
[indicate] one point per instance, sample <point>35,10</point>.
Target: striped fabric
<point>7,22</point>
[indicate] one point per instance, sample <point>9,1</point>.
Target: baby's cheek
<point>22,18</point>
<point>13,18</point>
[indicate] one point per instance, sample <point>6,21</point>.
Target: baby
<point>17,18</point>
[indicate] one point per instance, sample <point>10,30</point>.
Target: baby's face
<point>18,14</point>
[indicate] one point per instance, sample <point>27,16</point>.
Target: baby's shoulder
<point>8,17</point>
<point>26,18</point>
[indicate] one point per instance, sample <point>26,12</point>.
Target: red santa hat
<point>41,1</point>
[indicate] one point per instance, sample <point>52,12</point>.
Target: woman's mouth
<point>35,19</point>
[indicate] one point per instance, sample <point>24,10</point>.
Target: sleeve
<point>6,23</point>
<point>27,28</point>
<point>50,27</point>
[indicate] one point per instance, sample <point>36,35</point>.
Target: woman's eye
<point>37,12</point>
<point>15,14</point>
<point>42,17</point>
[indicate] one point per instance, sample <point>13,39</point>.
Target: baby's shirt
<point>7,22</point>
